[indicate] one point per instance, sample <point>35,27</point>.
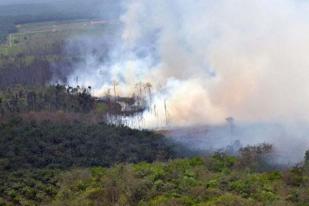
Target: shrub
<point>294,177</point>
<point>255,158</point>
<point>229,200</point>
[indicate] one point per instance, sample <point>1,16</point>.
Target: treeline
<point>16,71</point>
<point>47,144</point>
<point>7,26</point>
<point>36,66</point>
<point>15,100</point>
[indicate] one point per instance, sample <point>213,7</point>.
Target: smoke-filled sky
<point>8,2</point>
<point>213,59</point>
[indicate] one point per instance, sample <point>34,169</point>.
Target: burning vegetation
<point>199,103</point>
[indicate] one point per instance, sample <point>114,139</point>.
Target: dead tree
<point>166,112</point>
<point>231,123</point>
<point>115,84</point>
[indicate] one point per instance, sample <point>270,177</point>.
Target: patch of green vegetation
<point>184,182</point>
<point>28,187</point>
<point>187,182</point>
<point>25,144</point>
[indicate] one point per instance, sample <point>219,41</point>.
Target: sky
<point>8,2</point>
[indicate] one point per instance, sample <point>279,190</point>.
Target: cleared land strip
<point>36,28</point>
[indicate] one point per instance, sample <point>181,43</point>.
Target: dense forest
<point>218,180</point>
<point>29,145</point>
<point>14,100</point>
<point>33,154</point>
<point>77,163</point>
<point>21,70</point>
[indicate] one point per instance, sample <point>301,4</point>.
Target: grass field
<point>45,35</point>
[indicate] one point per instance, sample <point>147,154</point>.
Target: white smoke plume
<point>214,59</point>
<point>210,59</point>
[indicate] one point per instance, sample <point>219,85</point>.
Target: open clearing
<point>34,36</point>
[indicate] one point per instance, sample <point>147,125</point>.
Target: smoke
<point>215,58</point>
<point>289,141</point>
<point>207,60</point>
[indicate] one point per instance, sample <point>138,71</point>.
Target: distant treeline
<point>17,100</point>
<point>32,70</point>
<point>7,26</point>
<point>59,103</point>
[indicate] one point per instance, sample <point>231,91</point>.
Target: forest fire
<point>224,64</point>
<point>154,102</point>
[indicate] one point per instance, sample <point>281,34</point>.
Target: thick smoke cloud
<point>209,60</point>
<point>246,59</point>
<point>214,59</point>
